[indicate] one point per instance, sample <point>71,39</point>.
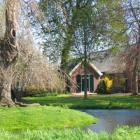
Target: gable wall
<point>80,71</point>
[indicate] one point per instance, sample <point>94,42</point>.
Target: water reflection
<point>111,119</point>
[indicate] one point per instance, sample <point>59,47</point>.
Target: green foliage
<point>72,63</point>
<point>101,88</point>
<point>36,90</point>
<point>42,117</point>
<point>92,102</point>
<point>31,90</point>
<point>102,20</point>
<point>105,85</point>
<point>43,93</point>
<point>65,56</point>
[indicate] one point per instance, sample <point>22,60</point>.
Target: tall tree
<point>9,50</point>
<point>87,25</point>
<point>99,25</point>
<point>58,29</point>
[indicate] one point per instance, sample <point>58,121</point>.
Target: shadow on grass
<point>93,102</point>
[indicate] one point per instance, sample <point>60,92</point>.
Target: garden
<point>69,70</point>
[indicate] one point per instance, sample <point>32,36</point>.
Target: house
<point>77,76</point>
<point>103,63</point>
<point>114,67</point>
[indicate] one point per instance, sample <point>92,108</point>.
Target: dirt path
<point>95,94</point>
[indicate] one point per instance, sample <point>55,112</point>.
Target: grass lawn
<point>42,118</point>
<point>124,133</point>
<point>93,102</point>
<point>54,123</point>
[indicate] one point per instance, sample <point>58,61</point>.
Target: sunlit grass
<point>124,133</point>
<point>42,117</point>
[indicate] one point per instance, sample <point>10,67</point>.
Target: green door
<point>91,83</point>
<point>83,84</point>
<point>88,83</point>
<point>78,79</point>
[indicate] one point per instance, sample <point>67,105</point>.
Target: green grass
<point>54,123</point>
<point>42,118</point>
<point>124,133</point>
<point>93,102</point>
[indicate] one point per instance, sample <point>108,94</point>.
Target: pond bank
<point>42,117</point>
<point>109,120</point>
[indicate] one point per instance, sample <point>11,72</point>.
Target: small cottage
<point>77,76</point>
<point>102,63</point>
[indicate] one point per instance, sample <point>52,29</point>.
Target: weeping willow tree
<point>8,50</point>
<point>20,63</point>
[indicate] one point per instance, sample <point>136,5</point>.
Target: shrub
<point>105,85</point>
<point>101,89</point>
<point>108,83</point>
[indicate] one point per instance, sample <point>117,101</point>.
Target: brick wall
<point>80,71</point>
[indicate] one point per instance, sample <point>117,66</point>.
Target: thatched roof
<point>104,61</point>
<point>108,63</point>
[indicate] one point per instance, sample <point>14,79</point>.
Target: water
<point>108,120</point>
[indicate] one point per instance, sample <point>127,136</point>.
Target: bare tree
<point>33,71</point>
<point>132,15</point>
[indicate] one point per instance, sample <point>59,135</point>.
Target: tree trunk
<point>6,97</point>
<point>135,85</point>
<point>9,51</point>
<point>66,48</point>
<point>135,75</point>
<point>9,48</point>
<point>85,64</point>
<point>85,81</point>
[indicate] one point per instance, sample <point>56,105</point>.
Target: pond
<point>108,120</point>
